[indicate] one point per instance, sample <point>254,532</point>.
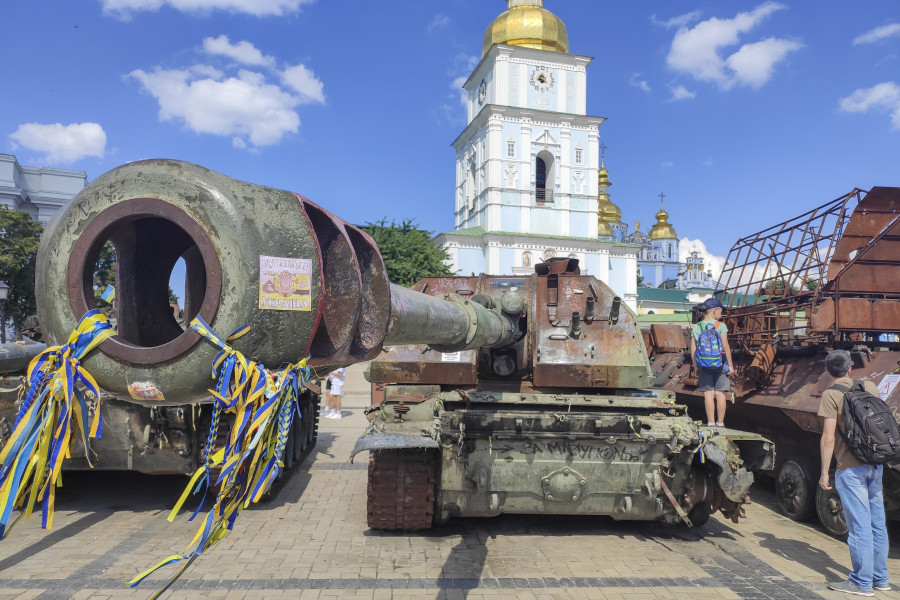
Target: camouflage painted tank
<point>557,417</point>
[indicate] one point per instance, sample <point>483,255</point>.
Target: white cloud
<point>252,107</point>
<point>438,22</point>
<point>125,9</point>
<point>711,262</point>
<point>753,63</point>
<point>245,108</point>
<point>884,96</point>
<point>707,163</point>
<point>679,21</point>
<point>636,81</point>
<point>304,82</point>
<point>243,52</point>
<point>878,34</point>
<point>679,92</point>
<point>667,164</point>
<point>697,51</point>
<point>62,143</point>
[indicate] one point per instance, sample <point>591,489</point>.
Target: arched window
<point>549,253</point>
<point>670,251</point>
<point>510,148</point>
<point>579,155</point>
<point>526,259</point>
<point>543,176</point>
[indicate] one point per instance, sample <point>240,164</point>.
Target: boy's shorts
<point>336,389</point>
<point>714,379</point>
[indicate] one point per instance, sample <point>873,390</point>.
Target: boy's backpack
<point>869,428</point>
<point>710,351</point>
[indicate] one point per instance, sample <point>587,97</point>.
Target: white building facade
<point>38,191</point>
<point>527,163</point>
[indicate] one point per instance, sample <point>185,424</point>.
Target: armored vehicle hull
<point>561,421</point>
<point>826,279</point>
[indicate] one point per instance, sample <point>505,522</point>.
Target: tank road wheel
<point>831,513</point>
<point>301,433</point>
<point>699,514</point>
<point>795,489</point>
<point>401,489</point>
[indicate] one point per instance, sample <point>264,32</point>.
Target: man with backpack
<point>857,483</point>
<point>711,356</point>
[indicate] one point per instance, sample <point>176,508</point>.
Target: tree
<point>409,253</point>
<point>19,238</point>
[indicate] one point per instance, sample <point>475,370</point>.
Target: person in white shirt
<point>333,403</point>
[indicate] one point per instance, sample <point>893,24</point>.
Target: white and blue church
<point>530,178</point>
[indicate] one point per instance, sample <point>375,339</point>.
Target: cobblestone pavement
<point>311,541</point>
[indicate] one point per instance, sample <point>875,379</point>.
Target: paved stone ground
<point>311,541</point>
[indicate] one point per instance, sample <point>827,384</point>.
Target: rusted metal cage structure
<point>828,276</point>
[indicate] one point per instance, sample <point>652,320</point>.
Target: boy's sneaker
<point>334,415</point>
<point>849,588</point>
<point>883,588</point>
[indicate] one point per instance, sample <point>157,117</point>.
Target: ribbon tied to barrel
<point>263,404</point>
<point>54,411</point>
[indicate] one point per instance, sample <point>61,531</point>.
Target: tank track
<point>401,489</point>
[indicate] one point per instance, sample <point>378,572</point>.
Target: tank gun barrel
<point>306,282</point>
<point>15,357</point>
<point>447,323</point>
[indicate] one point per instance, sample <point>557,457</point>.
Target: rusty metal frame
<point>775,279</point>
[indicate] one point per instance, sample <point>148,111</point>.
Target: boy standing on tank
<point>713,380</point>
<point>858,485</point>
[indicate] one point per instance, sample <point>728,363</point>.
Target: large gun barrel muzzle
<point>307,282</point>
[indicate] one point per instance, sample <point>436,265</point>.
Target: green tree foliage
<point>19,237</point>
<point>409,253</point>
<point>104,274</point>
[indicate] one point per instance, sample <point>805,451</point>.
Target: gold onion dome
<point>526,23</point>
<point>606,210</point>
<point>662,230</point>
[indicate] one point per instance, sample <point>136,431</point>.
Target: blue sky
<point>743,113</point>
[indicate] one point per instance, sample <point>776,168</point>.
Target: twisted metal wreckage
<point>825,279</point>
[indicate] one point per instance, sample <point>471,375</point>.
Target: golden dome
<point>526,23</point>
<point>603,228</point>
<point>661,230</point>
<point>606,210</point>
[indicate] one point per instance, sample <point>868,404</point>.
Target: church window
<point>579,154</point>
<point>526,259</point>
<point>510,148</point>
<point>543,177</point>
<point>670,252</point>
<point>549,253</point>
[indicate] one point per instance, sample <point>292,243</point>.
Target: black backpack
<point>869,428</point>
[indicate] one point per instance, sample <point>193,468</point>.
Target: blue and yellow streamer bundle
<point>264,404</point>
<point>52,414</point>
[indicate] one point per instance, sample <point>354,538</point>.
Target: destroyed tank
<point>553,412</point>
<point>829,278</point>
<point>533,394</point>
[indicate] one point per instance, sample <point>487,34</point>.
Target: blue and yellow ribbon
<point>264,404</point>
<point>53,413</point>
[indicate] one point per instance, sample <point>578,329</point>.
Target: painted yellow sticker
<point>284,283</point>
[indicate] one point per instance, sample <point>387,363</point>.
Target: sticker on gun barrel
<point>284,283</point>
<point>145,390</point>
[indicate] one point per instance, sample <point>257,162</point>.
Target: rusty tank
<point>514,394</point>
<point>557,416</point>
<point>829,278</point>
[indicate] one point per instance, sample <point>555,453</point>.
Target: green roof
<point>649,294</point>
<point>480,232</point>
<point>671,318</point>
